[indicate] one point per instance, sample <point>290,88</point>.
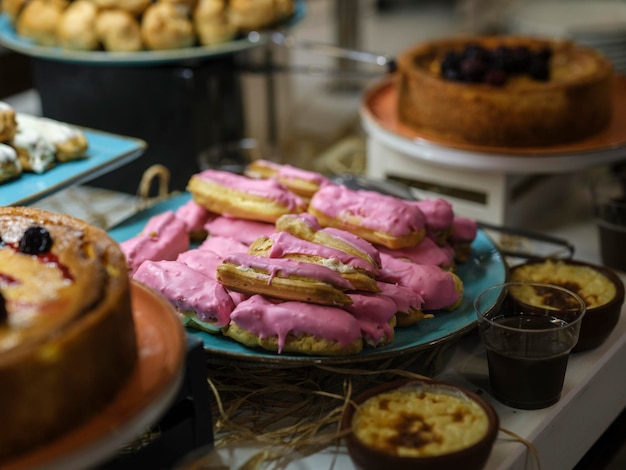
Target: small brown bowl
<point>412,410</point>
<point>594,283</point>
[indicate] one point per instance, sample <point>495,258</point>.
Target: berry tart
<point>504,91</point>
<point>67,337</point>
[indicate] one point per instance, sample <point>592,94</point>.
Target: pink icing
<point>405,298</point>
<point>266,188</point>
<point>267,319</point>
<point>288,267</point>
<point>355,241</point>
<point>285,244</point>
<point>434,284</point>
<point>193,215</point>
<point>188,290</point>
<point>164,237</point>
<point>203,261</point>
<point>290,172</point>
<point>308,219</point>
<point>373,312</point>
<point>464,229</point>
<point>374,211</point>
<point>438,212</point>
<point>223,245</point>
<point>245,231</point>
<point>425,252</point>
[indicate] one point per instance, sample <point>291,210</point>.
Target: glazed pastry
<point>439,217</point>
<point>243,230</point>
<point>408,303</point>
<point>463,234</point>
<point>284,279</point>
<point>167,26</point>
<point>8,122</point>
<point>36,153</point>
<point>10,167</point>
<point>441,290</point>
<point>118,31</point>
<point>223,245</point>
<point>164,237</point>
<point>246,198</point>
<point>377,218</point>
<point>212,23</point>
<point>76,29</point>
<point>283,245</point>
<point>376,315</point>
<point>67,339</point>
<point>295,327</point>
<point>194,217</point>
<point>425,252</point>
<point>70,143</point>
<point>38,21</point>
<point>302,182</point>
<point>202,302</point>
<point>306,227</point>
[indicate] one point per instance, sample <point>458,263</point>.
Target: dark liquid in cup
<point>612,244</point>
<point>518,380</point>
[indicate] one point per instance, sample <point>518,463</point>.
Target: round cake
<point>504,91</point>
<point>67,337</point>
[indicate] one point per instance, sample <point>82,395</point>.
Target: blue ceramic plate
<point>485,268</point>
<point>106,152</point>
<point>11,40</point>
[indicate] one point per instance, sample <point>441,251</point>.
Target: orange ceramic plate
<point>150,390</point>
<point>380,105</point>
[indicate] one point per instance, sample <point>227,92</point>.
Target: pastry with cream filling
<point>10,167</point>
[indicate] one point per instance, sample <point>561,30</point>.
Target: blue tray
<point>485,268</point>
<point>11,40</point>
<point>106,152</point>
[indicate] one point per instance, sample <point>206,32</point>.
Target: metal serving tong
<point>512,242</point>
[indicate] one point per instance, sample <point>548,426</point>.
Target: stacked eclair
<point>290,262</point>
<point>35,144</point>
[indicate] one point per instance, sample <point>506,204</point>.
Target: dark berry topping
<point>477,64</point>
<point>35,241</point>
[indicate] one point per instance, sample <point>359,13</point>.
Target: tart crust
<point>68,343</point>
<point>575,103</point>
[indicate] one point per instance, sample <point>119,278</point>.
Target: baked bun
<point>284,279</point>
<point>10,167</point>
<point>38,21</point>
<point>212,22</point>
<point>295,327</point>
<point>118,31</point>
<point>246,198</point>
<point>76,29</point>
<point>8,122</point>
<point>243,230</point>
<point>67,341</point>
<point>167,26</point>
<point>248,15</point>
<point>375,217</point>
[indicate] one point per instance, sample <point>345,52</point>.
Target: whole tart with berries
<point>504,91</point>
<point>67,337</point>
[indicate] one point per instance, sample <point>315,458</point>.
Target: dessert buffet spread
<point>134,25</point>
<point>67,336</point>
<point>504,91</point>
<point>291,262</point>
<point>35,144</point>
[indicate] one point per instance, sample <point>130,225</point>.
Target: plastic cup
<point>528,330</point>
<point>609,206</point>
